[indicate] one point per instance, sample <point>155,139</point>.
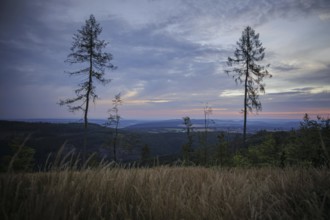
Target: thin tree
<point>187,148</point>
<point>207,112</point>
<point>145,153</point>
<point>245,70</point>
<point>222,153</point>
<point>114,120</point>
<point>87,49</point>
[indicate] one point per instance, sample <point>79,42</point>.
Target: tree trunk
<point>89,82</point>
<point>246,88</point>
<point>115,143</point>
<point>114,149</point>
<point>245,111</point>
<point>205,137</point>
<point>87,97</point>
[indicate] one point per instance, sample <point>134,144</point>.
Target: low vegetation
<point>281,175</point>
<point>308,146</point>
<point>167,193</point>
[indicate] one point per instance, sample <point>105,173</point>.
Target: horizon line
<point>145,119</point>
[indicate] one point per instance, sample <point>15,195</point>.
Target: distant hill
<point>217,125</point>
<point>123,123</point>
<point>164,138</point>
<point>177,125</point>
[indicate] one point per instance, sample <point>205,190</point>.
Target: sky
<point>171,57</point>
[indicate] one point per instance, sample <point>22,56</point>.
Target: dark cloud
<point>250,12</point>
<point>32,50</point>
<point>163,61</point>
<point>164,56</point>
<point>298,103</point>
<point>299,98</point>
<point>317,77</point>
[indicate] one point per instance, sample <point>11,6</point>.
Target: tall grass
<point>166,193</point>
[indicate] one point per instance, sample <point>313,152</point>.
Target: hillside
<point>166,142</point>
<point>216,125</point>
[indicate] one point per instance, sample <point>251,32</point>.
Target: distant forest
<point>35,144</point>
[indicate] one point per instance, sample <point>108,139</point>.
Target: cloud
<point>324,16</point>
<point>285,67</point>
<point>318,75</point>
<point>232,93</point>
<point>170,53</point>
<point>164,63</point>
<point>297,99</point>
<point>321,76</point>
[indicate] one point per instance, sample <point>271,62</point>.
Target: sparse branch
<point>114,120</point>
<point>244,69</point>
<point>87,48</point>
<point>187,148</point>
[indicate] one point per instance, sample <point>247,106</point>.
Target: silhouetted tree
<point>87,49</point>
<point>314,140</point>
<point>249,51</point>
<point>114,120</point>
<point>187,148</point>
<point>207,112</point>
<point>222,152</point>
<point>145,153</point>
<point>267,152</point>
<point>21,158</point>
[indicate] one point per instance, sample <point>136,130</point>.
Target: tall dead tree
<point>113,121</point>
<point>87,49</point>
<point>248,53</point>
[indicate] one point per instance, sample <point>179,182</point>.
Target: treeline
<point>307,146</point>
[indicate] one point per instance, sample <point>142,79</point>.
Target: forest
<point>307,146</point>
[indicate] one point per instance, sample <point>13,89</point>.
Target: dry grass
<point>167,193</point>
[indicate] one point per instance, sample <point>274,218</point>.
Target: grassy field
<point>167,193</point>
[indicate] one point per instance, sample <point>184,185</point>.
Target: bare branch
<point>87,48</point>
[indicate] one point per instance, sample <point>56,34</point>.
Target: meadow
<point>165,192</point>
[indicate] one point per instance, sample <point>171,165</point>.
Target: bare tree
<point>114,120</point>
<point>245,70</point>
<point>87,49</point>
<point>187,148</point>
<point>207,112</point>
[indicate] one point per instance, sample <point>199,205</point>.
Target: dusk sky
<point>171,56</point>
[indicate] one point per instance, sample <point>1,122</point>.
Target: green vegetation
<point>20,158</point>
<point>281,175</point>
<point>187,147</point>
<point>167,193</point>
<point>308,146</point>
